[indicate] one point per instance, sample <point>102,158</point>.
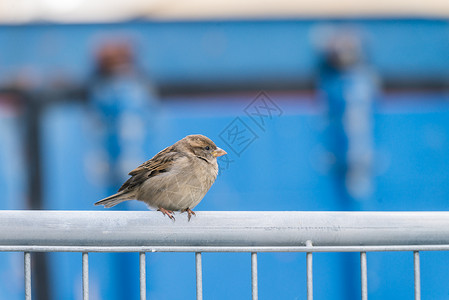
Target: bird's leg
<point>189,213</point>
<point>167,212</point>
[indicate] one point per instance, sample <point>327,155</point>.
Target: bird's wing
<point>160,163</point>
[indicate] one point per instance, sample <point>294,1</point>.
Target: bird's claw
<point>166,212</point>
<point>189,213</point>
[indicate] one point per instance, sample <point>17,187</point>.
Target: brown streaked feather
<point>160,163</point>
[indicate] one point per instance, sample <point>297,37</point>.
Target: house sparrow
<point>177,178</point>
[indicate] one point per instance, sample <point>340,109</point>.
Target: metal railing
<point>253,232</point>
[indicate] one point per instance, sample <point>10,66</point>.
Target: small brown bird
<point>175,179</point>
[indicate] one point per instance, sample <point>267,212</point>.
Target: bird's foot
<point>167,212</point>
<point>189,213</point>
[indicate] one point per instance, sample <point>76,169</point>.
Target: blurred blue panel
<point>433,271</point>
<point>413,171</point>
<point>408,48</point>
<point>391,276</point>
<point>280,275</point>
<point>222,51</point>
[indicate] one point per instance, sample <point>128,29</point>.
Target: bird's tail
<point>114,199</point>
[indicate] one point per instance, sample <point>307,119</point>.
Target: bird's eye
<point>207,148</point>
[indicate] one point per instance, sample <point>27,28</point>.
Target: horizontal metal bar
<point>222,249</point>
<point>242,229</point>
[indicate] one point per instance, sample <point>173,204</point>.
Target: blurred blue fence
<point>285,168</point>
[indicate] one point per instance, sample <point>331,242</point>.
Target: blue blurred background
<point>335,114</point>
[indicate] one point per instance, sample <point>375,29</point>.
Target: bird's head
<point>202,147</point>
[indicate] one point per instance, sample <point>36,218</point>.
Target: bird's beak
<point>219,152</point>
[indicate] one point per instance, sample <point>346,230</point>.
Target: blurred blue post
<point>125,107</point>
<point>12,184</point>
<point>349,89</point>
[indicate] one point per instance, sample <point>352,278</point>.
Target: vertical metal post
<point>364,276</point>
<point>85,276</point>
<point>27,269</point>
<point>417,275</point>
<point>254,275</point>
<point>199,276</point>
<point>309,259</point>
<point>143,282</point>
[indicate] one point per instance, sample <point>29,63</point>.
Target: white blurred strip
<point>201,9</point>
<point>71,11</point>
<point>19,11</point>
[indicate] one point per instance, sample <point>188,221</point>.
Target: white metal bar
<point>364,275</point>
<point>254,289</point>
<point>27,269</point>
<point>142,273</point>
<point>244,229</point>
<point>223,248</point>
<point>309,259</point>
<point>199,276</point>
<point>85,276</point>
<point>417,275</point>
